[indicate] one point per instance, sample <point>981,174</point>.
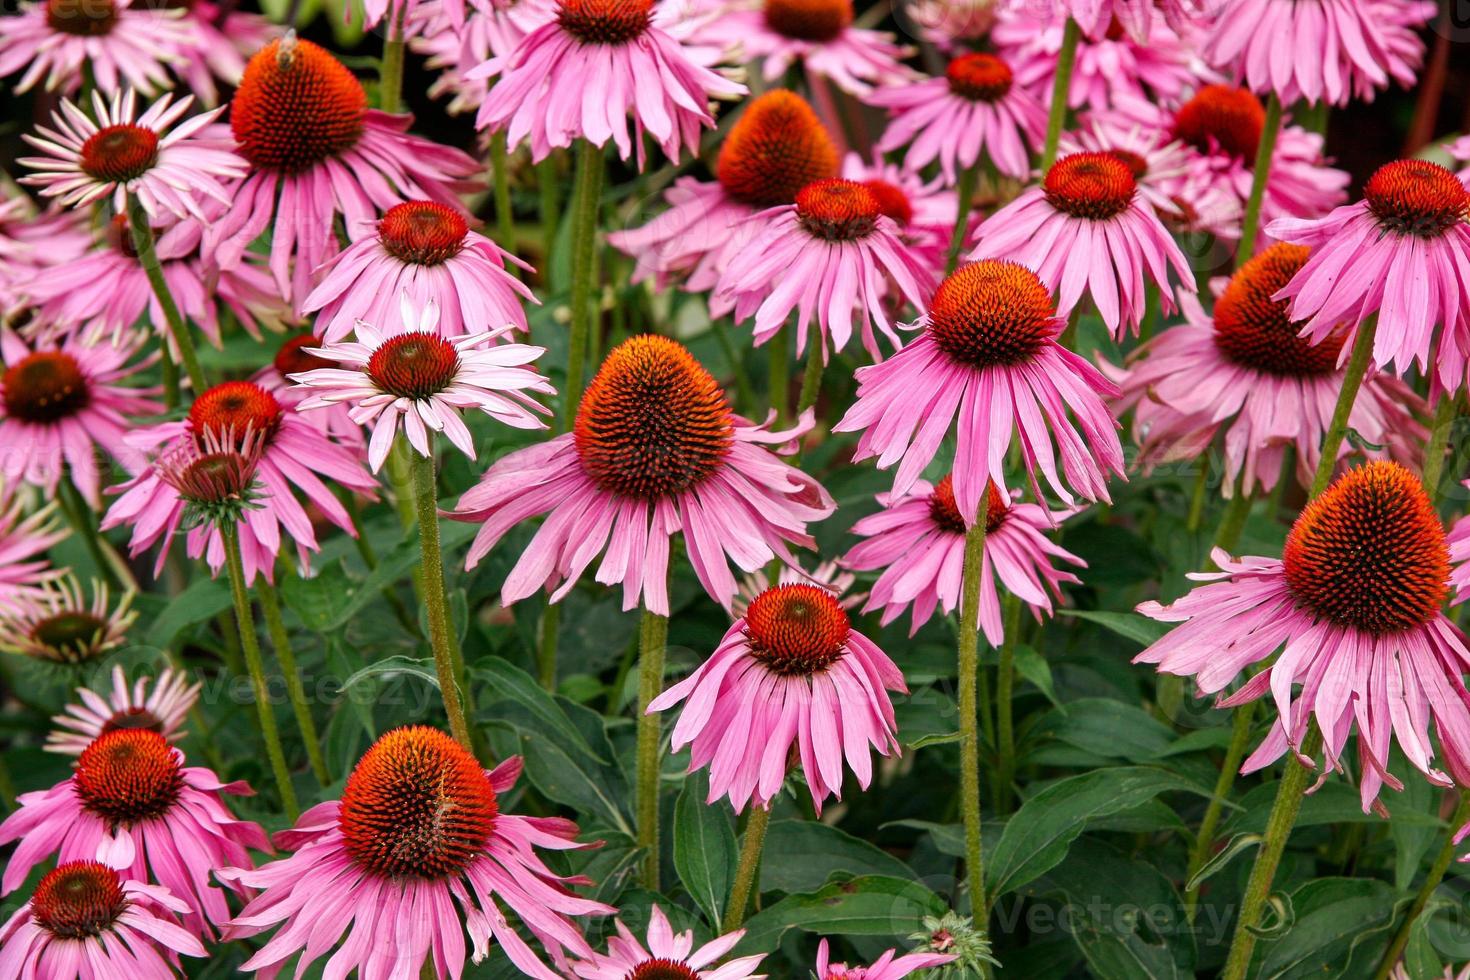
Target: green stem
<point>653,632</point>
<point>1237,512</point>
<point>969,663</point>
<point>1204,842</point>
<point>546,183</point>
<point>1197,496</point>
<point>390,76</point>
<point>1251,224</point>
<point>1290,791</point>
<point>1061,87</point>
<point>584,274</point>
<point>1006,740</point>
<point>811,378</point>
<point>751,845</point>
<point>144,245</point>
<point>270,607</point>
<point>965,197</point>
<point>265,714</point>
<point>778,381</point>
<point>1351,382</point>
<point>441,633</point>
<point>546,649</point>
<point>1426,891</point>
<point>505,220</point>
<point>1439,439</point>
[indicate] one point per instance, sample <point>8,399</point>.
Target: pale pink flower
<point>221,38</point>
<point>668,955</point>
<point>162,709</point>
<point>490,31</point>
<point>58,42</point>
<point>24,541</point>
<point>889,966</point>
<point>55,623</point>
<point>31,241</point>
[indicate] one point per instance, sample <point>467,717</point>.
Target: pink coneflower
<point>951,25</point>
<point>59,42</point>
<point>668,956</point>
<point>60,404</point>
<point>316,151</point>
<point>1327,50</point>
<point>492,31</point>
<point>815,34</point>
<point>426,252</point>
<point>85,922</point>
<point>791,675</point>
<point>31,241</point>
<point>418,831</point>
<point>828,575</point>
<point>889,966</point>
<point>1400,25</point>
<point>1402,253</point>
<point>923,210</point>
<point>133,805</point>
<point>918,541</point>
<point>988,358</point>
<point>115,154</point>
<point>24,541</point>
<point>655,450</point>
<point>975,108</point>
<point>409,373</point>
<point>617,51</point>
<point>1087,230</point>
<point>55,624</point>
<point>1104,18</point>
<point>161,710</point>
<point>1355,602</point>
<point>1245,370</point>
<point>294,357</point>
<point>832,254</point>
<point>221,38</point>
<point>776,147</point>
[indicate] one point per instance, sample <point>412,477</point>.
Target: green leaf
<point>1332,803</point>
<point>705,853</point>
<point>1108,728</point>
<point>811,851</point>
<point>394,666</point>
<point>864,906</point>
<point>509,683</point>
<point>203,599</point>
<point>1033,666</point>
<point>1140,629</point>
<point>583,787</point>
<point>1331,918</point>
<point>943,738</point>
<point>392,567</point>
<point>1238,844</point>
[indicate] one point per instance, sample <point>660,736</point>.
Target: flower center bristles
<point>128,775</point>
<point>83,18</point>
<point>69,637</point>
<point>1222,118</point>
<point>809,20</point>
<point>228,411</point>
<point>1135,162</point>
<point>1254,330</point>
<point>292,357</point>
<point>992,314</point>
<point>604,21</point>
<point>120,153</point>
<point>414,365</point>
<point>78,900</point>
<point>417,806</point>
<point>796,629</point>
<point>133,720</point>
<point>1416,197</point>
<point>1370,553</point>
<point>653,422</point>
<point>662,970</point>
<point>979,77</point>
<point>777,147</point>
<point>296,106</point>
<point>45,387</point>
<point>946,513</point>
<point>892,201</point>
<point>837,210</point>
<point>1096,186</point>
<point>422,232</point>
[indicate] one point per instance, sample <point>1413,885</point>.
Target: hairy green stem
<point>270,607</point>
<point>1251,224</point>
<point>143,243</point>
<point>1204,842</point>
<point>1005,685</point>
<point>390,74</point>
<point>1237,513</point>
<point>1061,88</point>
<point>1439,439</point>
<point>1352,380</point>
<point>653,633</point>
<point>441,631</point>
<point>751,845</point>
<point>505,220</point>
<point>969,664</point>
<point>811,378</point>
<point>1197,495</point>
<point>584,272</point>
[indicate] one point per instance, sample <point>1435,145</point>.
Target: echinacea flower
<point>655,450</point>
<point>620,62</point>
<point>975,108</point>
<point>1087,231</point>
<point>409,373</point>
<point>667,956</point>
<point>316,151</point>
<point>831,258</point>
<point>492,31</point>
<point>85,922</point>
<point>923,210</point>
<point>918,543</point>
<point>1402,254</point>
<point>950,25</point>
<point>59,405</point>
<point>790,676</point>
<point>162,710</point>
<point>776,147</point>
<point>133,805</point>
<point>829,575</point>
<point>415,853</point>
<point>55,624</point>
<point>295,356</point>
<point>117,44</point>
<point>1245,371</point>
<point>424,251</point>
<point>32,240</point>
<point>1354,608</point>
<point>221,38</point>
<point>1101,18</point>
<point>988,365</point>
<point>167,165</point>
<point>24,541</point>
<point>889,966</point>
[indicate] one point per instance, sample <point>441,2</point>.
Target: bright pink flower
<point>582,76</point>
<point>1354,607</point>
<point>317,151</point>
<point>61,41</point>
<point>923,210</point>
<point>492,31</point>
<point>221,38</point>
<point>889,966</point>
<point>31,241</point>
<point>1106,18</point>
<point>1087,231</point>
<point>1245,371</point>
<point>60,404</point>
<point>655,451</point>
<point>918,543</point>
<point>832,254</point>
<point>668,955</point>
<point>85,922</point>
<point>1402,254</point>
<point>791,674</point>
<point>294,357</point>
<point>391,878</point>
<point>1400,24</point>
<point>133,805</point>
<point>975,108</point>
<point>161,710</point>
<point>55,624</point>
<point>24,541</point>
<point>988,365</point>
